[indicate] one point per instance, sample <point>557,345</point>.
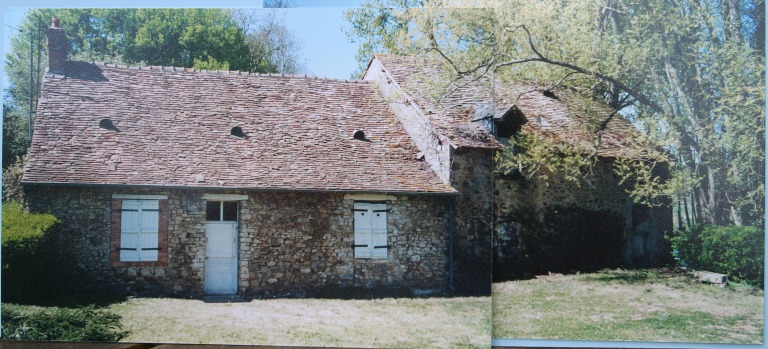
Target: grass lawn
<point>643,305</point>
<point>389,322</point>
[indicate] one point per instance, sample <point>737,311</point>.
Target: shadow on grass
<point>348,293</point>
<point>63,299</point>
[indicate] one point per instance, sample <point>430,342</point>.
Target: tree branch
<point>543,59</point>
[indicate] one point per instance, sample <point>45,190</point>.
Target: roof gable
<point>107,125</point>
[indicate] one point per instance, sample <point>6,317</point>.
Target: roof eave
<point>452,192</point>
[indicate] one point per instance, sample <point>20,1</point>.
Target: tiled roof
<point>105,125</point>
<point>564,115</point>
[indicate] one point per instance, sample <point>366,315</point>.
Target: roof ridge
<point>222,72</point>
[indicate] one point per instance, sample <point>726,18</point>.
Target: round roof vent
<point>237,131</point>
<point>359,135</point>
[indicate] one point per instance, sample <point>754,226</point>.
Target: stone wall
<point>602,192</point>
<point>290,244</point>
<point>519,203</point>
<point>472,176</point>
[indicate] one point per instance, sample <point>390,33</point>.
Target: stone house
<point>188,183</point>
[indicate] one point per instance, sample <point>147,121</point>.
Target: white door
<point>221,258</point>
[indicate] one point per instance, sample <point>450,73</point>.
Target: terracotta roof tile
<point>171,127</point>
<point>569,117</point>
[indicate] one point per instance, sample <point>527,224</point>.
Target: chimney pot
<point>54,22</point>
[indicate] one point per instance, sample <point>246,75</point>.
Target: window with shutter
<point>139,230</point>
<point>370,230</point>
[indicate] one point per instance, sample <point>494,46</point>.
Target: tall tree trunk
<point>714,211</point>
<point>695,209</point>
<point>733,18</point>
<point>685,207</point>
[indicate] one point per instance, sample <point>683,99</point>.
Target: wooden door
<point>221,258</point>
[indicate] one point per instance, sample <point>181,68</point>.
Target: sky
<point>325,50</point>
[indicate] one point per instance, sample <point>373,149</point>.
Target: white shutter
<point>150,216</point>
<point>379,231</point>
<point>139,227</point>
<point>130,227</point>
<point>363,230</point>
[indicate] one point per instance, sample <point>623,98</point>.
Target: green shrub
<point>32,265</point>
<point>60,324</point>
<point>736,251</point>
<point>21,228</point>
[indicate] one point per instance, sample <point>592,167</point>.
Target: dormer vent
<point>108,125</point>
<point>237,131</point>
<point>360,136</point>
<point>509,122</point>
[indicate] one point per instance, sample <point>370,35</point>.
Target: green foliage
<point>210,63</point>
<point>689,74</point>
<point>61,324</point>
<point>273,47</point>
<point>32,266</point>
<point>543,157</point>
<point>736,251</point>
<point>21,229</point>
<point>15,134</point>
<point>11,181</point>
<point>176,37</point>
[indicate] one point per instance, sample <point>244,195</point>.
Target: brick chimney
<point>58,47</point>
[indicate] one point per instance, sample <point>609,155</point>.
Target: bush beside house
<point>35,269</point>
<point>734,250</point>
<point>28,254</point>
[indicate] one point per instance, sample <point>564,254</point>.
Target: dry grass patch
<point>402,322</point>
<point>645,305</point>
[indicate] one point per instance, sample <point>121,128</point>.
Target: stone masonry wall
<point>517,201</point>
<point>602,193</point>
<point>472,176</point>
<point>290,244</point>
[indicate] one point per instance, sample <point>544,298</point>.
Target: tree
<point>181,37</point>
<point>689,73</point>
<point>270,42</point>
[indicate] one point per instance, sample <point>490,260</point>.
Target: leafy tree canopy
<point>690,74</point>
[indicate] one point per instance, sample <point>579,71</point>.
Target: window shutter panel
<point>150,216</point>
<point>363,231</point>
<point>379,231</point>
<point>130,230</point>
